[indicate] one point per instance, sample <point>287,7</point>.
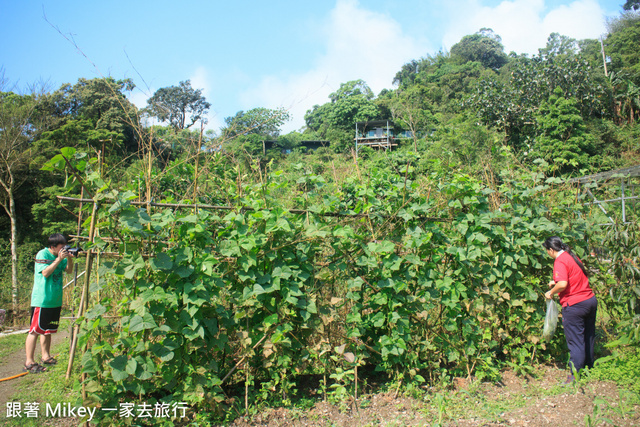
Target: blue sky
<point>282,53</point>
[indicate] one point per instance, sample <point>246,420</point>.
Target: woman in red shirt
<point>579,304</point>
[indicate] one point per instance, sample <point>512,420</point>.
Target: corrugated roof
<point>376,123</point>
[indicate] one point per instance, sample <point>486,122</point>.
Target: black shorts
<point>44,320</point>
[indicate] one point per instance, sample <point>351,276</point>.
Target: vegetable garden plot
<point>261,295</point>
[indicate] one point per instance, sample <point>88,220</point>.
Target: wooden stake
<point>356,381</point>
<point>195,173</point>
<point>84,300</point>
<point>74,338</point>
<point>75,283</point>
<point>244,357</point>
<point>250,209</point>
<point>246,392</point>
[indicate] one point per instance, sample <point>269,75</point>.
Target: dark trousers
<point>579,322</point>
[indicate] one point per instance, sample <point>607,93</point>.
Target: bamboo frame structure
<point>248,208</point>
<point>84,301</point>
<point>624,175</point>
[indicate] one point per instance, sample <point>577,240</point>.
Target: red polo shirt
<point>566,269</point>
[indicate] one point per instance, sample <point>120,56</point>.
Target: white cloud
<point>200,79</point>
<point>360,44</point>
<point>525,25</point>
<point>580,20</point>
<point>138,98</point>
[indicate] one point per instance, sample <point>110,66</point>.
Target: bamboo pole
<point>356,383</point>
<point>244,357</point>
<point>80,210</point>
<point>195,174</point>
<point>87,282</point>
<point>248,208</point>
<point>246,392</point>
<point>148,180</point>
<point>75,283</point>
<point>84,301</point>
<point>74,338</point>
<point>75,272</point>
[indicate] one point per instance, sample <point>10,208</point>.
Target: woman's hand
<point>548,294</point>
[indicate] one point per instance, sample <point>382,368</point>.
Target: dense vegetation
<point>221,265</point>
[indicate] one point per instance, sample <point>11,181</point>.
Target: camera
<point>72,251</point>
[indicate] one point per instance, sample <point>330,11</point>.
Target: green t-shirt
<point>47,291</point>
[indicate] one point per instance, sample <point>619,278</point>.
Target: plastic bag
<point>550,320</point>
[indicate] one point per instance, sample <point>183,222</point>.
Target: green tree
<point>259,121</point>
<point>104,101</point>
<point>562,139</point>
<point>450,85</point>
<point>505,108</point>
<point>591,50</point>
<point>461,143</point>
<point>621,46</point>
<point>484,47</point>
<point>412,109</point>
<point>512,106</point>
<point>169,143</point>
<point>178,105</point>
<point>352,102</point>
<point>18,125</point>
<point>409,71</point>
<point>626,98</point>
<point>631,5</point>
<point>558,44</point>
<point>91,115</point>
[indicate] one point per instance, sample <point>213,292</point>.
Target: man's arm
<point>48,271</point>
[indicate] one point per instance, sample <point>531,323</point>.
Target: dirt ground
<point>535,407</point>
<point>8,368</point>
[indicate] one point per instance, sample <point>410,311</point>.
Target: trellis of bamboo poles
<point>248,208</point>
<point>84,302</point>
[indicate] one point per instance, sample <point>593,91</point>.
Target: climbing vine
<point>380,273</point>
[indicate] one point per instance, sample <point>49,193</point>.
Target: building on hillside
<point>308,145</point>
<point>379,134</point>
<point>314,144</point>
<point>268,145</point>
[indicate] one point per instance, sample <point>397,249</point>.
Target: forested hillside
<point>241,251</point>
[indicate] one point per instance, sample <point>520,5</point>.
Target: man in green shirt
<point>46,300</point>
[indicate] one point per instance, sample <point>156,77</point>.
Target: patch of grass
<point>49,387</point>
<point>10,344</point>
<point>621,368</point>
<point>624,408</point>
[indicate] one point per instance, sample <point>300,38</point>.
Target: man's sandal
<point>50,361</point>
<point>34,368</point>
